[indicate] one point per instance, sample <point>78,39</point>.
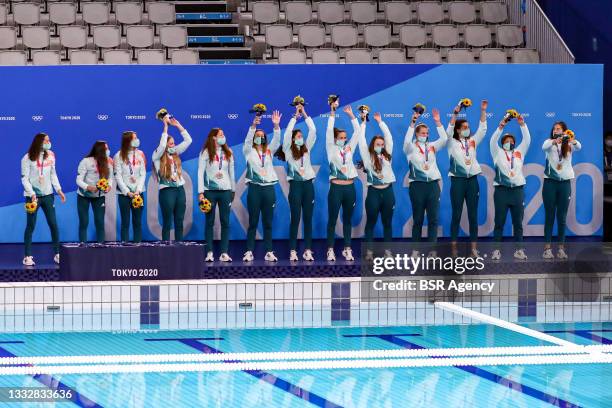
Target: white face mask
<point>422,139</point>
<point>465,133</point>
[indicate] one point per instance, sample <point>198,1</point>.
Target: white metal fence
<point>540,33</point>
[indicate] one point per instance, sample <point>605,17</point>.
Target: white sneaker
<point>270,257</point>
<point>28,261</point>
<point>347,253</point>
<point>520,254</point>
<point>209,257</point>
<point>415,254</point>
<point>548,254</point>
<point>561,254</point>
<point>475,253</point>
<point>388,253</point>
<point>225,257</point>
<point>307,255</point>
<point>496,255</point>
<point>369,255</point>
<point>248,256</point>
<point>56,259</point>
<point>331,256</point>
<point>293,256</point>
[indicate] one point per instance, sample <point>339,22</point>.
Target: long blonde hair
<point>165,171</point>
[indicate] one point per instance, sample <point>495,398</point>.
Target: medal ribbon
<point>426,152</point>
<point>466,148</point>
<point>510,159</point>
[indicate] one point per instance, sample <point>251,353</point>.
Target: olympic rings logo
<point>550,114</point>
<point>37,118</point>
<point>232,116</point>
<point>102,116</point>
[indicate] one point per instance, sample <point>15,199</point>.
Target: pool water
<point>584,385</point>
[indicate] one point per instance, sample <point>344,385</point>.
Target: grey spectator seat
<point>265,12</point>
<point>493,56</point>
<point>128,12</point>
<point>278,36</point>
<point>151,57</point>
<point>8,38</point>
<point>311,35</point>
<point>377,35</point>
<point>73,36</point>
<point>413,35</point>
<point>185,57</point>
<point>525,56</point>
<point>140,36</point>
<point>358,56</point>
<point>83,57</point>
<point>13,58</point>
<point>45,57</point>
<point>95,12</point>
<point>430,12</point>
<point>509,35</point>
<point>477,35</point>
<point>344,35</point>
<point>325,56</point>
<point>493,12</point>
<point>35,37</point>
<point>173,36</point>
<point>298,12</point>
<point>363,12</point>
<point>445,35</point>
<point>398,12</point>
<point>427,56</point>
<point>107,36</point>
<point>462,12</point>
<point>331,12</point>
<point>291,56</point>
<point>161,12</point>
<point>460,56</point>
<point>27,13</point>
<point>62,13</point>
<point>391,56</point>
<point>117,57</point>
<point>3,14</point>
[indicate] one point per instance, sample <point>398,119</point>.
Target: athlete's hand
<point>62,196</point>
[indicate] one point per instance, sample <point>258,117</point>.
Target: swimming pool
<point>580,385</point>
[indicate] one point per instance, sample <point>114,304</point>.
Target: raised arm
<point>356,128</point>
<point>180,149</point>
<point>386,133</point>
<point>329,133</point>
<point>482,124</point>
<point>408,145</point>
<point>576,146</point>
<point>287,135</point>
<point>451,124</point>
<point>159,152</point>
<point>493,143</point>
<point>442,135</point>
<point>363,147</point>
<point>276,134</point>
<point>248,141</point>
<point>312,131</point>
<point>523,147</point>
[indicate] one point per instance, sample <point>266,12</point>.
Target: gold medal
<point>133,180</point>
<point>559,166</point>
<point>173,178</point>
<point>301,171</point>
<point>263,172</point>
<point>219,175</point>
<point>468,162</point>
<point>343,169</point>
<point>511,173</point>
<point>41,180</point>
<point>425,166</point>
